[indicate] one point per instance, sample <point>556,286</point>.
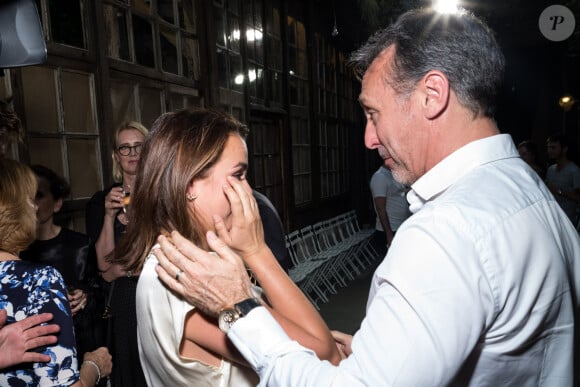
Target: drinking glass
<point>126,201</point>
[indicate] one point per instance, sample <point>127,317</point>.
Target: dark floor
<point>345,310</point>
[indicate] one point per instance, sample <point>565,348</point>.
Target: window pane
<point>116,31</point>
<point>143,41</point>
<point>47,152</point>
<point>248,13</point>
<point>78,102</point>
<point>250,47</point>
<point>292,61</point>
<point>276,86</point>
<point>291,32</point>
<point>234,6</point>
<point>258,14</point>
<point>83,167</point>
<point>276,21</point>
<point>234,34</point>
<point>186,9</point>
<point>274,54</point>
<point>123,102</point>
<point>165,10</point>
<point>222,69</point>
<point>66,22</point>
<point>220,27</point>
<point>236,75</point>
<point>167,39</point>
<point>300,35</point>
<point>260,83</point>
<point>258,165</point>
<point>302,65</point>
<point>190,52</point>
<point>259,44</point>
<point>150,105</point>
<point>40,107</point>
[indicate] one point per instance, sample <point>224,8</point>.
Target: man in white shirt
<point>479,287</point>
<point>390,206</point>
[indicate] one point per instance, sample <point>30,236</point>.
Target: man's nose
<point>371,139</point>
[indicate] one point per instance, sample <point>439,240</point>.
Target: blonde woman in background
<point>106,219</point>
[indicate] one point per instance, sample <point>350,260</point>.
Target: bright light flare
<point>446,6</point>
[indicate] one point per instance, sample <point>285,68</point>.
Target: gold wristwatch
<point>229,316</point>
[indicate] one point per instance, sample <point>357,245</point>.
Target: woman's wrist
<point>255,256</point>
<point>95,366</point>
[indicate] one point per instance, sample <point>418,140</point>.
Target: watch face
<point>227,318</point>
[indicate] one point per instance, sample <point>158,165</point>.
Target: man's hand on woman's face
<point>211,282</point>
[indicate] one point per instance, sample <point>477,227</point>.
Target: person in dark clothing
<point>273,230</point>
<point>106,217</point>
<point>71,254</point>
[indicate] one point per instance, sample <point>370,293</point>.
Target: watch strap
<point>244,307</point>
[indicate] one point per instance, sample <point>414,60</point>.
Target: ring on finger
<point>178,274</point>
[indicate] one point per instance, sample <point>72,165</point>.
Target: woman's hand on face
<point>246,235</point>
<point>114,201</point>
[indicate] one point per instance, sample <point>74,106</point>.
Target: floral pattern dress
<point>27,289</point>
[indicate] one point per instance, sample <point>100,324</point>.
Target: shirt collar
<point>456,165</point>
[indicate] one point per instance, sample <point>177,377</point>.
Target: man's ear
<point>57,206</point>
<point>435,87</point>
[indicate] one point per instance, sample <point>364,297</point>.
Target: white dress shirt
<point>478,288</point>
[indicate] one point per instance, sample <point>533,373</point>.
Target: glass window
<point>190,55</point>
<point>301,161</point>
<point>123,102</point>
<point>222,70</point>
<point>187,15</point>
<point>220,28</point>
<point>70,148</point>
<point>150,104</point>
<point>77,92</point>
<point>116,33</point>
<point>143,41</point>
<point>165,10</point>
<point>83,165</point>
<point>66,23</point>
<point>236,73</point>
<point>168,41</point>
<point>41,111</point>
<point>48,152</point>
<point>234,34</point>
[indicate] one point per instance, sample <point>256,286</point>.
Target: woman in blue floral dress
<point>28,289</point>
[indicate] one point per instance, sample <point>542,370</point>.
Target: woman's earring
<point>190,197</point>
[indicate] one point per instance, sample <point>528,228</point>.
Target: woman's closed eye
<point>240,175</point>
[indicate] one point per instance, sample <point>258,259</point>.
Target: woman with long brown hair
<point>192,174</point>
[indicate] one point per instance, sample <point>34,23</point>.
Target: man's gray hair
<point>459,45</point>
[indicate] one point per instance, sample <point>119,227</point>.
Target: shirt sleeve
<point>427,320</point>
<point>280,361</point>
